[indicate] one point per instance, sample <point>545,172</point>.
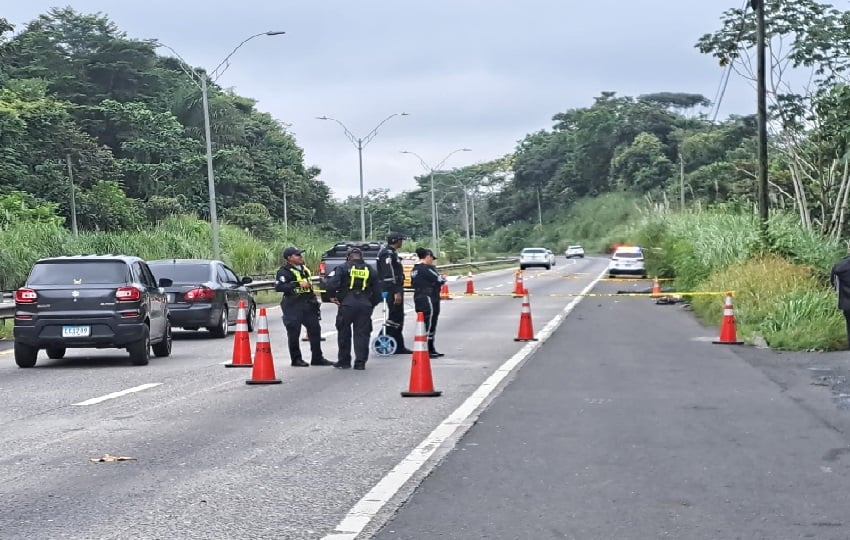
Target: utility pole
<point>681,182</point>
<point>761,89</point>
<point>285,217</point>
<point>73,196</point>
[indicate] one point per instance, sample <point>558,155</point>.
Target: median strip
<point>113,395</point>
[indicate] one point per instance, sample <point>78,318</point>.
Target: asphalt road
<point>216,458</point>
<point>628,423</point>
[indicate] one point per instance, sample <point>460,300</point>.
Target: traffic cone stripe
<point>241,341</point>
<point>470,287</point>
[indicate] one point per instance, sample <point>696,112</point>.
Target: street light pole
<point>360,143</point>
<point>434,239</point>
<point>210,171</point>
<point>201,79</point>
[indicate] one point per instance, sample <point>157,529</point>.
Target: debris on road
<point>108,458</point>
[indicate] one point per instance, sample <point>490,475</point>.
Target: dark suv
<point>97,301</point>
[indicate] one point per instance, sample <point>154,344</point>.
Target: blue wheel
<point>384,345</point>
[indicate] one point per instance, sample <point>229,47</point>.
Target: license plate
<point>170,298</point>
<point>76,331</point>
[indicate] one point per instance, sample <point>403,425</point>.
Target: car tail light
<point>322,268</point>
<point>201,294</point>
<point>130,313</point>
<point>26,296</point>
<point>128,294</point>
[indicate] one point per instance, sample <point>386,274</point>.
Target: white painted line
<point>9,351</point>
<point>368,507</point>
<point>113,395</point>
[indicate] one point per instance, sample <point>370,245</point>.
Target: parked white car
<point>535,256</point>
<point>627,260</point>
<point>574,250</point>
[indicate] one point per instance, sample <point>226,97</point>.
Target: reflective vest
<point>355,273</point>
<point>299,278</point>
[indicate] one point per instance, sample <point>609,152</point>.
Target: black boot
<point>399,341</point>
<point>432,352</point>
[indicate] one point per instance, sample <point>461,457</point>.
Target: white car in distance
<point>574,250</point>
<point>535,256</point>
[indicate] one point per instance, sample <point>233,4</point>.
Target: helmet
<point>393,237</point>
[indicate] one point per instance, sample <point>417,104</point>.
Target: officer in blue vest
<point>354,287</point>
<point>300,307</point>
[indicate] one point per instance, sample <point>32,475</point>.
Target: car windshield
<point>573,247</point>
<point>629,255</point>
<point>78,273</point>
<point>534,251</point>
<point>182,274</point>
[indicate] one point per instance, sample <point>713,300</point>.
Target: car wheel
<point>140,351</point>
<point>548,267</point>
<point>522,267</point>
<point>252,317</point>
<point>25,355</point>
<point>220,330</point>
<point>163,348</point>
<point>55,353</point>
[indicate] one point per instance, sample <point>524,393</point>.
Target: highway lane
<point>216,458</point>
<point>631,424</point>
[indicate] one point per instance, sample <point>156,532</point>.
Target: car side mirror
<point>246,280</point>
<point>165,282</point>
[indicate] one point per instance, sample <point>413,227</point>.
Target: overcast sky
<point>471,73</point>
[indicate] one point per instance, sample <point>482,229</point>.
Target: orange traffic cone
<point>421,383</point>
<point>519,288</point>
<point>728,334</point>
<point>263,372</point>
<point>470,287</point>
<point>526,332</point>
<point>656,288</point>
<point>444,292</point>
<point>241,341</point>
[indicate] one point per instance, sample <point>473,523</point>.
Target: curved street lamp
<point>201,79</point>
<point>431,170</point>
<point>359,143</point>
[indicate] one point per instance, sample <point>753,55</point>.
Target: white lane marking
<point>368,507</point>
<point>9,351</point>
<point>113,395</point>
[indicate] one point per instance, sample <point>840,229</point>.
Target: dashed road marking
<point>113,395</point>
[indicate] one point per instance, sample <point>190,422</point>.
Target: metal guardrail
<point>263,283</point>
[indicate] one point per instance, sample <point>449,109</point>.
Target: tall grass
<point>182,236</point>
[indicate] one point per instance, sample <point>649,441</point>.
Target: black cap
<point>355,251</point>
<point>393,237</point>
<point>290,251</point>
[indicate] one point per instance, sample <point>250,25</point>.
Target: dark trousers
<point>847,322</point>
<point>431,310</point>
<point>306,315</point>
<point>354,319</point>
<point>395,322</point>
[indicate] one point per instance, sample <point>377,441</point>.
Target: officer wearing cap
<point>300,307</point>
<point>355,289</point>
<point>391,278</point>
<point>427,282</point>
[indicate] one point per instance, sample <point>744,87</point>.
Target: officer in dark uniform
<point>840,277</point>
<point>355,288</point>
<point>391,277</point>
<point>427,282</point>
<point>300,307</point>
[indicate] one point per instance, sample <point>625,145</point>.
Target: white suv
<point>574,251</point>
<point>627,260</point>
<point>535,256</point>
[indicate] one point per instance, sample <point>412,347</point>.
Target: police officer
<point>427,282</point>
<point>840,277</point>
<point>300,307</point>
<point>391,277</point>
<point>355,288</point>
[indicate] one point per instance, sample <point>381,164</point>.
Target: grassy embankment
<point>782,293</point>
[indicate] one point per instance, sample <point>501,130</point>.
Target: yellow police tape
<point>634,295</point>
